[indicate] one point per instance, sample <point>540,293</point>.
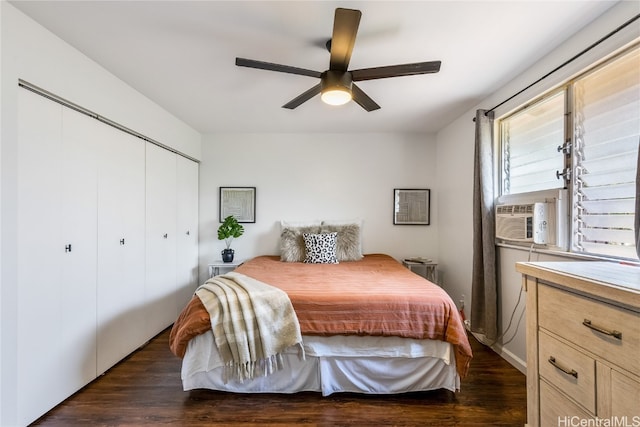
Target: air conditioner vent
<point>515,209</point>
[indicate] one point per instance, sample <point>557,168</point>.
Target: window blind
<point>530,140</point>
<point>606,139</point>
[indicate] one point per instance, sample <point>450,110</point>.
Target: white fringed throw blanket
<point>252,323</point>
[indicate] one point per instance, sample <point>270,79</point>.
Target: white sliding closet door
<point>121,245</point>
<point>79,223</point>
<point>40,255</point>
<point>187,231</point>
<point>56,254</point>
<point>160,283</point>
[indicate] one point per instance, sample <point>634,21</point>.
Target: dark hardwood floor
<point>146,389</point>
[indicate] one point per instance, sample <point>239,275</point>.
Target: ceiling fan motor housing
<point>336,80</point>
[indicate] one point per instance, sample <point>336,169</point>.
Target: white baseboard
<point>513,360</point>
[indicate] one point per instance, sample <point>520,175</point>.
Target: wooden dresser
<point>583,343</point>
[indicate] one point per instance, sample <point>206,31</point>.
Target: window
<point>583,137</point>
<point>606,136</point>
<point>529,146</point>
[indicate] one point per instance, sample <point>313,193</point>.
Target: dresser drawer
<point>556,409</point>
<point>565,314</point>
<point>571,371</point>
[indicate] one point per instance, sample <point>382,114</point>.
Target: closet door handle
<point>188,233</point>
<point>67,248</point>
<point>165,235</point>
<point>571,372</point>
<point>122,241</point>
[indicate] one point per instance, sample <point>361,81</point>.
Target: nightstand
<point>427,269</point>
<point>217,265</point>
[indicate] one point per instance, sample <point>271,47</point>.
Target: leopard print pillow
<point>321,248</point>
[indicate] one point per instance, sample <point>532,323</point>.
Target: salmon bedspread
<point>374,296</point>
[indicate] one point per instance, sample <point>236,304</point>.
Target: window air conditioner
<point>523,223</point>
<point>540,217</point>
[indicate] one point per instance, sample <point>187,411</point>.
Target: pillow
<point>321,248</point>
<point>292,248</point>
<point>349,241</point>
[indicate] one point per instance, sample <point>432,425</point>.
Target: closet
<point>107,247</point>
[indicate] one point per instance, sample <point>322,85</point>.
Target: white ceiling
<point>181,54</point>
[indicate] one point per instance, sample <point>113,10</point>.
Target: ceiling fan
<point>337,85</point>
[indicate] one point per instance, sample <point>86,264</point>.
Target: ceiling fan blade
<point>362,99</point>
<point>345,28</point>
<point>395,71</point>
<point>242,62</point>
<point>304,97</point>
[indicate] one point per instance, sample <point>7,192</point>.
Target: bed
<point>368,326</point>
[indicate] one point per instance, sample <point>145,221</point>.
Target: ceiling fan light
<point>336,87</point>
<point>336,96</point>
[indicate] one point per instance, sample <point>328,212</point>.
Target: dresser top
<point>607,280</point>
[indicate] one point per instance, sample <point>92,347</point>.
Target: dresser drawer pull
<point>571,372</point>
<point>614,333</point>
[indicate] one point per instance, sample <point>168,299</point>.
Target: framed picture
<point>411,206</point>
<point>239,202</point>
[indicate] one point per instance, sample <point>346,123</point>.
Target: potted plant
<point>229,230</point>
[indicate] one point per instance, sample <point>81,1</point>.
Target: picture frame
<point>239,202</point>
<point>411,206</point>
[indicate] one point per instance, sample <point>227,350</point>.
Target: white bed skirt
<point>358,364</point>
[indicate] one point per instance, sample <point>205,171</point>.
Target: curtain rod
<point>567,62</point>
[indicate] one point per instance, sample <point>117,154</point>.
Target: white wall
<point>32,53</point>
<point>318,176</point>
<point>455,188</point>
<point>455,144</point>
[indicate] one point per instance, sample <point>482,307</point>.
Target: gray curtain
<point>484,303</point>
<point>638,204</point>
